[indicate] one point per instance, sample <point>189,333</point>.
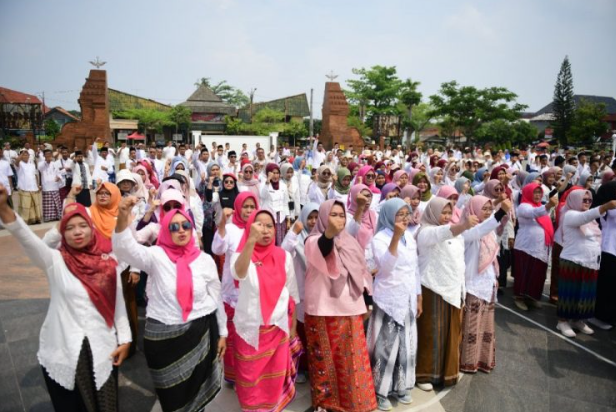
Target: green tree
<point>354,121</point>
<point>467,107</point>
<point>149,119</point>
<point>563,105</point>
<point>226,92</point>
<point>588,123</point>
<point>52,129</point>
<point>181,116</point>
<point>504,133</point>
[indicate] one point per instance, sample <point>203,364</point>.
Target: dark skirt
<point>83,198</point>
<point>183,362</point>
<point>605,307</point>
<point>438,334</point>
<point>577,291</point>
<point>84,397</point>
<point>130,300</point>
<point>529,276</point>
<point>556,251</point>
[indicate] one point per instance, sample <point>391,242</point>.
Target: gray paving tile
<point>2,335</point>
<point>456,399</point>
<point>24,327</point>
<point>561,404</point>
<point>15,308</point>
<point>9,390</point>
<point>36,398</point>
<point>486,394</point>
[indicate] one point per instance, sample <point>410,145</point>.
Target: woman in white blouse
<point>392,331</point>
<point>186,325</point>
<point>288,175</point>
<point>579,261</point>
<point>532,246</point>
<point>275,197</point>
<point>481,247</point>
<point>441,268</point>
<point>86,334</point>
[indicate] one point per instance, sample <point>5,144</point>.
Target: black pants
<point>504,262</point>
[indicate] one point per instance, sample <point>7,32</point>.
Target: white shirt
<point>441,263</point>
<point>315,194</point>
<point>397,282</point>
<point>124,152</point>
<point>5,173</point>
<point>169,152</point>
<point>581,246</point>
<point>248,318</point>
<point>10,156</point>
<point>481,284</point>
<point>72,316</point>
<point>227,246</point>
<point>162,290</point>
<point>608,233</point>
<point>289,243</point>
<point>531,237</point>
<point>26,177</point>
<point>78,180</point>
<point>50,174</point>
<point>275,200</point>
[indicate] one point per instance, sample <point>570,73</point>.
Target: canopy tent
<point>136,136</point>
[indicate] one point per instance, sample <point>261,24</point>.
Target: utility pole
<point>252,96</point>
<point>311,114</point>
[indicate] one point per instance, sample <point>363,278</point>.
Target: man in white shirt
<point>169,151</point>
<point>6,175</point>
<point>65,164</point>
<point>582,163</point>
<point>101,165</point>
<point>123,152</point>
<point>82,178</point>
<point>318,153</point>
<point>245,150</point>
<point>28,188</point>
<point>159,164</point>
<point>132,158</point>
<point>233,166</point>
<point>141,151</point>
<point>201,166</point>
<point>221,159</point>
<point>514,161</point>
<point>10,156</point>
<point>31,153</point>
<point>50,181</point>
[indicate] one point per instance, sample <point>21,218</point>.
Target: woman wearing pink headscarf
<point>336,280</point>
<point>367,176</point>
<point>579,261</point>
<point>451,194</point>
<point>481,274</point>
<point>412,196</point>
<point>184,312</point>
<point>363,220</point>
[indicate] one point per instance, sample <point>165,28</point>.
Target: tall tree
<point>563,105</point>
<point>181,116</point>
<point>226,92</point>
<point>468,107</point>
<point>52,129</point>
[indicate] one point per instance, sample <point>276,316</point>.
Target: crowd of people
<point>363,271</point>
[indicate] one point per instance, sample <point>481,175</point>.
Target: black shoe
<point>500,291</point>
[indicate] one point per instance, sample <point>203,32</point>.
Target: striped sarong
<point>265,377</point>
<point>30,206</point>
<point>183,362</point>
<point>339,364</point>
<point>393,352</point>
<point>439,333</point>
<point>52,206</point>
<point>478,351</point>
<point>230,352</point>
<point>577,291</point>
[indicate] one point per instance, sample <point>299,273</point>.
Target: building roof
<point>610,103</point>
<point>15,97</point>
<point>544,117</point>
<point>62,111</point>
<point>203,100</point>
<point>294,106</point>
<point>119,101</point>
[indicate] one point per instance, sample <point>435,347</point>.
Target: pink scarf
<point>182,256</point>
<point>445,192</point>
<point>488,249</point>
<point>544,221</point>
<point>270,263</point>
<point>237,208</point>
<point>362,173</point>
<point>368,219</point>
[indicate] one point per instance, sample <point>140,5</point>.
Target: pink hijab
<point>445,192</point>
<point>348,253</point>
<point>397,176</point>
<point>488,249</point>
<point>575,202</point>
<point>368,219</point>
<point>182,256</point>
<point>410,191</point>
<point>362,173</point>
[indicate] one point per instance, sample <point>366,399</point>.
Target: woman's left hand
<point>120,354</point>
<point>222,347</point>
<point>133,278</point>
<point>419,306</point>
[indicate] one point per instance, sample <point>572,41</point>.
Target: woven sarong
<point>577,291</point>
<point>52,206</point>
<point>478,351</point>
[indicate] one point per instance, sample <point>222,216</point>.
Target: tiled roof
<point>119,101</point>
<point>294,106</point>
<point>61,110</point>
<point>610,103</point>
<point>13,96</point>
<point>203,100</point>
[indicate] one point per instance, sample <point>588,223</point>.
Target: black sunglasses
<point>228,181</point>
<point>175,227</point>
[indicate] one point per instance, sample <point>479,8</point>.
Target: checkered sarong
<point>52,206</point>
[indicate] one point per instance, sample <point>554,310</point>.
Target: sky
<point>158,49</point>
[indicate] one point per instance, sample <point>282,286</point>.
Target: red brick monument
<point>335,112</point>
<point>94,103</point>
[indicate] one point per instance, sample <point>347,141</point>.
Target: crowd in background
<point>366,271</point>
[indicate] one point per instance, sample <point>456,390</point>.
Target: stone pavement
<point>537,370</point>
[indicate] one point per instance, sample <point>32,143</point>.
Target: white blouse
<point>481,284</point>
<point>581,246</point>
<point>289,243</point>
<point>248,318</point>
<point>334,194</point>
<point>397,283</point>
<point>227,246</point>
<point>72,316</point>
<point>441,263</point>
<point>315,194</point>
<point>162,289</point>
<point>275,200</point>
<point>530,237</point>
<point>608,235</point>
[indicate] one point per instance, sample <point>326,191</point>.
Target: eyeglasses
<point>175,227</point>
<point>587,201</point>
<point>103,194</point>
<point>370,176</point>
<point>247,172</point>
<point>228,182</point>
<point>326,174</point>
<point>170,206</point>
<point>403,216</point>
